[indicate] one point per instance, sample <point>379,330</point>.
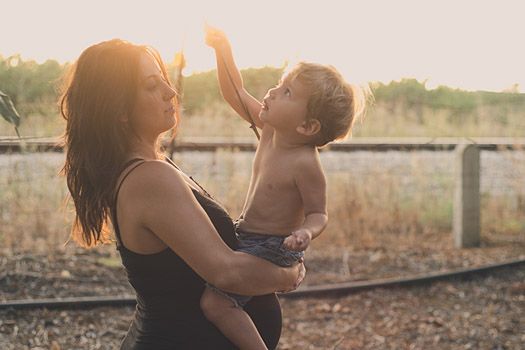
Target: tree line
<point>31,85</point>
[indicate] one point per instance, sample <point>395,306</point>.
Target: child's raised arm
<point>230,80</point>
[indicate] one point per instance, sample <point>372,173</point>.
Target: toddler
<point>285,207</point>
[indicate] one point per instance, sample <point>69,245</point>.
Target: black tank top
<point>168,291</point>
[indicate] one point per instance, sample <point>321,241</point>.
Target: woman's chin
<point>172,122</point>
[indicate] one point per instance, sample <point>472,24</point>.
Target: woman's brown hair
<point>100,89</point>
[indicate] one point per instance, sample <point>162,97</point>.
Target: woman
<point>171,235</point>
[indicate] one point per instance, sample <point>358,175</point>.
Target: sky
<point>472,45</point>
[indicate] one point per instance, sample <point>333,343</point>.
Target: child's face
<point>285,106</point>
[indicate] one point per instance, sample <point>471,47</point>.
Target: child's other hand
<point>215,38</point>
<point>298,241</point>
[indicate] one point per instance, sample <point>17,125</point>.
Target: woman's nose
<point>169,93</point>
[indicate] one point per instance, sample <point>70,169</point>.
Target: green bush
<point>401,108</point>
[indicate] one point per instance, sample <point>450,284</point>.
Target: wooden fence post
<point>466,214</point>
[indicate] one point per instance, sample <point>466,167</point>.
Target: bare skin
<point>287,192</point>
<point>281,195</point>
<point>157,210</point>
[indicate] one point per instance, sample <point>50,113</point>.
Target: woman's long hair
<point>99,90</point>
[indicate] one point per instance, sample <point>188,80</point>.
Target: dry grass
<point>362,209</point>
<point>32,205</point>
<point>504,212</point>
<point>43,121</point>
<point>219,120</point>
<point>489,121</point>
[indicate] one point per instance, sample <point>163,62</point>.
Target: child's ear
<point>309,127</point>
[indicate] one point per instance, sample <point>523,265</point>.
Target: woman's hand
<point>301,274</point>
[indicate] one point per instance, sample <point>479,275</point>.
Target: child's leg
<point>231,320</point>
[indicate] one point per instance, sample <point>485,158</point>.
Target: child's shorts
<point>263,246</point>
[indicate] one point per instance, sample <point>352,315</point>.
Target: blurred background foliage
<point>405,108</point>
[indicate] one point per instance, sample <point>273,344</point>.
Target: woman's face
<point>154,111</point>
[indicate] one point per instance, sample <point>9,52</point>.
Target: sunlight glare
<point>464,44</point>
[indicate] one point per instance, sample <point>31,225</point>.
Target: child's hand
<point>215,38</point>
<point>298,241</point>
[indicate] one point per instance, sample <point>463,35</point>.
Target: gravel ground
<point>482,312</point>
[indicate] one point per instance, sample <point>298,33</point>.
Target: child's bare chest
<point>273,173</point>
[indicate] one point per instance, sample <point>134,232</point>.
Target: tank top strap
<point>126,169</point>
<point>191,177</point>
<point>168,159</point>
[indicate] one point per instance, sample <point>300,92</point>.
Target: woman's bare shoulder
<point>154,177</point>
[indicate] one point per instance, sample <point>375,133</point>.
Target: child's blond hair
<point>333,102</point>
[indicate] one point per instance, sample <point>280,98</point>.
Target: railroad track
<point>326,290</point>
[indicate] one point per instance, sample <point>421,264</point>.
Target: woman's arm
<point>166,206</point>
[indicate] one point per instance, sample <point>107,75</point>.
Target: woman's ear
<point>309,127</point>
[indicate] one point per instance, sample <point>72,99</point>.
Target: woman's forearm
<point>249,275</point>
<point>186,226</point>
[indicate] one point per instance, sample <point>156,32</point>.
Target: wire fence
<point>389,191</point>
